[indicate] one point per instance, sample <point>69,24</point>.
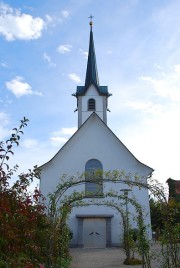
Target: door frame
<point>81,217</point>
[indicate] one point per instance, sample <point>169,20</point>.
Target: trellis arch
<point>61,204</point>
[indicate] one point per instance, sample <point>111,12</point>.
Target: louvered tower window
<point>91,105</point>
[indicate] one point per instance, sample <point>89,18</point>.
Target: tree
<point>156,214</point>
<point>23,222</point>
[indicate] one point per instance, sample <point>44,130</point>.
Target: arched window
<point>94,174</point>
<point>91,105</point>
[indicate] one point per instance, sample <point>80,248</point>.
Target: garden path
<point>104,258</point>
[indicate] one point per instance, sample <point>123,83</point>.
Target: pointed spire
<point>91,71</point>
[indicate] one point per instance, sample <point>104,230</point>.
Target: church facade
<point>95,147</point>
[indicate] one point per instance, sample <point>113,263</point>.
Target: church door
<point>94,233</point>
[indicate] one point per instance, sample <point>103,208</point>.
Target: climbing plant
<point>169,239</point>
<point>60,200</point>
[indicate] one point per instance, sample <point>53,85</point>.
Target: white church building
<point>95,147</point>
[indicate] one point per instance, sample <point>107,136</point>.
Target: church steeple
<point>91,98</point>
<point>91,71</point>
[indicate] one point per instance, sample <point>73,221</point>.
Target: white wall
<point>92,93</point>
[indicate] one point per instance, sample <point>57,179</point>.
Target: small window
<point>91,105</point>
<point>94,178</point>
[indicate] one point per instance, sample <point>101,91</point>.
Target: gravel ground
<point>106,258</point>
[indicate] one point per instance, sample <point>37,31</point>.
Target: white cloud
<point>83,53</point>
<point>60,137</point>
<point>4,64</point>
<point>16,25</point>
<point>4,122</point>
<point>177,68</point>
<point>65,13</point>
<point>49,19</point>
<point>152,131</point>
<point>157,66</point>
<point>147,107</point>
<point>65,131</point>
<point>156,142</point>
<point>109,52</point>
<point>64,48</point>
<point>69,131</point>
<point>74,77</point>
<point>47,58</point>
<point>6,101</point>
<point>58,141</point>
<point>29,143</point>
<point>54,20</point>
<point>167,84</point>
<point>20,88</point>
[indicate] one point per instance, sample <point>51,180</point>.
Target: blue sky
<point>43,57</point>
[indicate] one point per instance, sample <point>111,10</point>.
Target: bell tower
<point>91,97</point>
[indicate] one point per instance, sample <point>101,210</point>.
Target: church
<point>93,147</point>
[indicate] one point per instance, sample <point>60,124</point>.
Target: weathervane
<point>91,22</point>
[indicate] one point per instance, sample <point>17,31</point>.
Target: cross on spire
<point>91,22</point>
<point>91,71</point>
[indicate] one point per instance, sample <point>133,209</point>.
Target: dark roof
<point>91,73</point>
<point>103,90</point>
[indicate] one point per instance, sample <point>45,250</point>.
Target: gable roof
<point>95,116</point>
